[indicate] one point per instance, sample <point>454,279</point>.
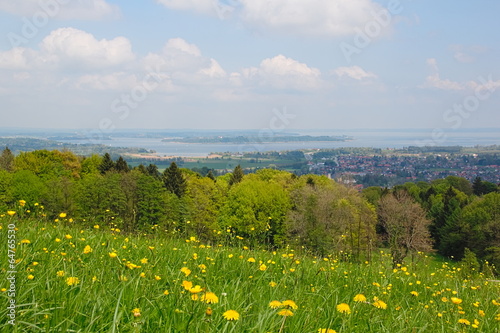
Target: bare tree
<point>406,225</point>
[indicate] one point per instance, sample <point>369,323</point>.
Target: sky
<point>273,65</point>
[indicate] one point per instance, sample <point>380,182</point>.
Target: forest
<point>271,209</point>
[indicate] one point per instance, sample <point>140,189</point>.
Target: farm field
<point>71,278</point>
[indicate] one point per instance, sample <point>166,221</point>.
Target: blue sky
<point>244,64</point>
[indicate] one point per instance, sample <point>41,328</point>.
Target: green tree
<point>121,165</point>
<point>174,180</point>
<point>7,160</point>
<point>107,164</point>
<point>237,175</point>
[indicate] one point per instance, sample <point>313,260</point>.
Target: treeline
<point>268,208</point>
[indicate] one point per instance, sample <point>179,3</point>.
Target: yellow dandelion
<point>11,213</point>
<point>414,293</point>
<point>456,300</point>
<point>62,215</point>
<point>464,321</point>
<point>72,281</point>
<point>251,259</point>
<point>275,304</point>
<point>136,312</point>
<point>210,298</point>
<point>380,304</point>
<point>113,255</point>
<point>343,308</point>
<point>31,277</point>
<point>60,273</point>
<point>196,289</point>
<point>231,315</point>
<point>290,304</point>
<point>272,284</point>
<point>144,260</point>
<point>68,236</point>
<point>157,278</point>
<point>359,298</point>
<point>285,313</point>
<point>22,203</point>
<point>262,267</point>
<point>25,241</point>
<point>326,330</point>
<point>87,249</point>
<point>166,292</point>
<point>194,297</point>
<point>186,271</point>
<point>187,285</point>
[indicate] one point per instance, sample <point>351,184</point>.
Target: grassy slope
<point>108,291</point>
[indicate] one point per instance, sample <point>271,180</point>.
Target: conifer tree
<point>121,165</point>
<point>7,160</point>
<point>107,164</point>
<point>237,175</point>
<point>174,180</point>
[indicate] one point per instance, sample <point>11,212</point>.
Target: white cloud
<point>113,81</point>
<point>61,9</point>
<point>15,59</point>
<point>354,72</point>
<point>284,73</point>
<point>434,80</point>
<point>69,45</point>
<point>214,71</point>
<point>312,17</point>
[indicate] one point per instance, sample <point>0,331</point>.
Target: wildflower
<point>196,289</point>
<point>62,215</point>
<point>343,308</point>
<point>144,260</point>
<point>208,312</point>
<point>186,271</point>
<point>60,273</point>
<point>68,236</point>
<point>456,300</point>
<point>380,304</point>
<point>231,315</point>
<point>25,241</point>
<point>22,203</point>
<point>290,304</point>
<point>272,284</point>
<point>326,330</point>
<point>11,213</point>
<point>359,298</point>
<point>72,281</point>
<point>251,260</point>
<point>187,285</point>
<point>464,321</point>
<point>136,312</point>
<point>262,267</point>
<point>31,277</point>
<point>194,297</point>
<point>96,226</point>
<point>476,323</point>
<point>210,298</point>
<point>113,254</point>
<point>166,293</point>
<point>87,249</point>
<point>275,304</point>
<point>444,299</point>
<point>414,293</point>
<point>285,313</point>
<point>157,278</point>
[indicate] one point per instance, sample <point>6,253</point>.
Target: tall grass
<point>141,288</point>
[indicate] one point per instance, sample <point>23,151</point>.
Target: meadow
<point>98,279</point>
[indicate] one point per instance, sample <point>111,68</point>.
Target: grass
<point>141,288</point>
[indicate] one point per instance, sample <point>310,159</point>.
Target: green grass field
<point>97,280</point>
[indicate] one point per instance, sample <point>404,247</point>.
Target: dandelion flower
<point>275,304</point>
<point>272,284</point>
<point>113,255</point>
<point>25,241</point>
<point>414,293</point>
<point>251,260</point>
<point>343,308</point>
<point>464,321</point>
<point>196,289</point>
<point>187,284</point>
<point>62,215</point>
<point>380,304</point>
<point>136,312</point>
<point>144,260</point>
<point>166,292</point>
<point>290,304</point>
<point>31,277</point>
<point>285,313</point>
<point>22,203</point>
<point>87,249</point>
<point>68,236</point>
<point>231,315</point>
<point>456,300</point>
<point>210,298</point>
<point>11,213</point>
<point>186,271</point>
<point>72,281</point>
<point>262,267</point>
<point>157,277</point>
<point>60,273</point>
<point>359,298</point>
<point>326,330</point>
